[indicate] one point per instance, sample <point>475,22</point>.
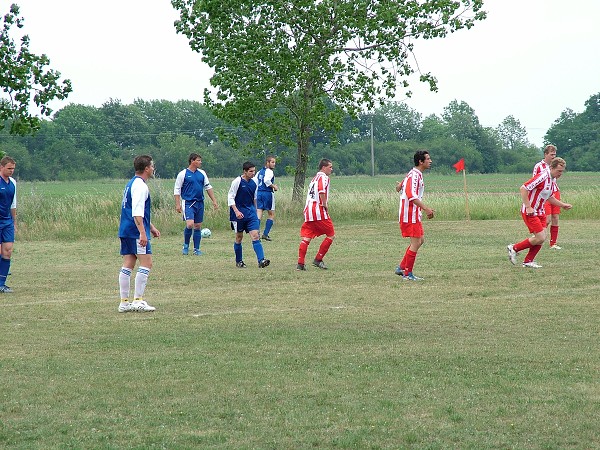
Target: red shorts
<point>553,209</point>
<point>412,229</point>
<point>317,228</point>
<point>535,224</point>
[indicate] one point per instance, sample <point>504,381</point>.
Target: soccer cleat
<point>411,277</point>
<point>532,265</point>
<point>198,252</point>
<point>124,307</point>
<point>265,237</point>
<point>555,247</point>
<point>300,267</point>
<point>5,290</point>
<point>319,264</point>
<point>512,255</point>
<point>399,271</point>
<point>263,263</point>
<point>186,249</point>
<point>141,306</point>
<point>240,265</point>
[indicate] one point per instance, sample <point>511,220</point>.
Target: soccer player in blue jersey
<point>265,195</point>
<point>8,218</point>
<point>242,214</point>
<point>135,232</point>
<point>189,201</point>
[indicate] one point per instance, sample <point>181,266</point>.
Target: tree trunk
<point>301,163</point>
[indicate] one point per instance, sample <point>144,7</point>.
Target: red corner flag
<point>459,165</point>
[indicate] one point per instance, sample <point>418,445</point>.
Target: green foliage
<point>280,66</point>
<point>577,136</point>
<point>25,80</point>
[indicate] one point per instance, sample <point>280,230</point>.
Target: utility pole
<point>372,151</point>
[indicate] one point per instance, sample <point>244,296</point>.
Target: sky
<point>531,59</point>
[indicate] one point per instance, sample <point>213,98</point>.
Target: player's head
<point>6,160</point>
<point>7,166</point>
<point>549,153</point>
<point>324,163</point>
<point>270,161</point>
<point>193,157</point>
<point>557,167</point>
<point>420,157</point>
<point>141,162</point>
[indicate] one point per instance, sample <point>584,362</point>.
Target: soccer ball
<point>206,233</point>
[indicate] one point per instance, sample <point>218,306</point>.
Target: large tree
<point>25,80</point>
<point>280,64</point>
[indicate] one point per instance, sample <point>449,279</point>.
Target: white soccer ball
<point>206,233</point>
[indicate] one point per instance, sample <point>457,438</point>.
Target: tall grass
<point>78,210</point>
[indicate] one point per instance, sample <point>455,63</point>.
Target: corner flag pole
<point>460,166</point>
<point>466,194</point>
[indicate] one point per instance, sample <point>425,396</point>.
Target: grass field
<point>482,354</point>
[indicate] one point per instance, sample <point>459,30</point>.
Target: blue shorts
<point>131,246</point>
<point>7,232</point>
<point>193,210</point>
<point>247,225</point>
<point>265,201</point>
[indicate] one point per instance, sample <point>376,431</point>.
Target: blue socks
<point>237,248</point>
<point>258,249</point>
<point>268,226</point>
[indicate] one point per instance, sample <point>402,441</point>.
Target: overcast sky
<point>531,59</point>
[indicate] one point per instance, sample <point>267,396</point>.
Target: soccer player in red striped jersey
<point>316,217</point>
<point>411,207</point>
<point>552,211</point>
<point>535,192</point>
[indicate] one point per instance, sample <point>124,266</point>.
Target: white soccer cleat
<point>532,265</point>
<point>512,255</point>
<point>141,306</point>
<point>555,247</point>
<point>124,307</point>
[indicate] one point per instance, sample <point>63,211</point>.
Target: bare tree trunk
<point>301,164</point>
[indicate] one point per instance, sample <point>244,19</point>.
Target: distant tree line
<point>87,142</point>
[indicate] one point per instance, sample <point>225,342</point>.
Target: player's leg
<point>7,238</point>
<point>306,235</point>
<point>253,225</point>
<point>125,282</point>
<point>188,216</point>
<point>324,227</point>
<point>144,257</point>
<point>237,244</point>
<point>269,224</point>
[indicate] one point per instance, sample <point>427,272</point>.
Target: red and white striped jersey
<point>314,209</point>
<point>412,189</point>
<point>540,188</point>
<point>540,167</point>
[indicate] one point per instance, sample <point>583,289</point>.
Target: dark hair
<point>141,162</point>
<point>324,163</point>
<point>248,165</point>
<point>420,156</point>
<point>194,156</point>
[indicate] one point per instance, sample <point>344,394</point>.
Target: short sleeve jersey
<point>540,188</point>
<point>241,194</point>
<point>136,202</point>
<point>190,185</point>
<point>8,199</point>
<point>540,167</point>
<point>265,178</point>
<point>313,209</point>
<point>412,189</point>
